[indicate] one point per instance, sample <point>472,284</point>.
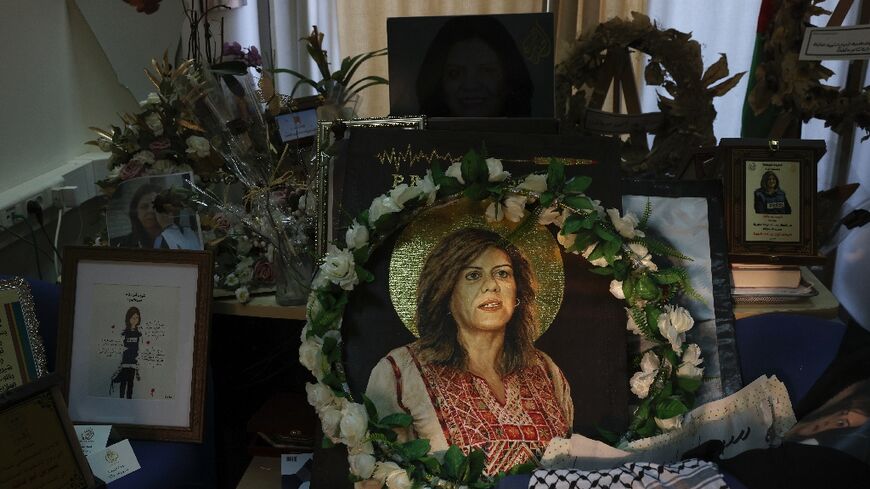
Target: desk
<point>263,306</point>
<point>824,304</point>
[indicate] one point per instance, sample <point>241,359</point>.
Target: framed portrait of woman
<point>22,354</point>
<point>133,339</point>
<point>772,191</point>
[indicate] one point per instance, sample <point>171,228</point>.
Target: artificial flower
<point>495,170</point>
<point>673,323</point>
<point>403,193</point>
<point>311,355</point>
<point>152,120</point>
<point>513,208</point>
<point>551,215</point>
<point>131,169</point>
<point>642,257</point>
<point>338,267</point>
<point>362,465</point>
<point>427,187</point>
<point>669,424</point>
<point>354,424</point>
<point>455,171</point>
<point>625,225</point>
<point>381,206</point>
<point>319,395</point>
<point>689,366</point>
<point>144,157</point>
<point>152,99</point>
<point>566,240</point>
<point>330,418</point>
<point>641,381</point>
<point>231,280</point>
<point>392,475</point>
<point>598,262</point>
<point>198,146</point>
<point>263,271</point>
<point>616,289</point>
<point>243,295</point>
<point>534,183</point>
<point>630,324</point>
<point>357,236</point>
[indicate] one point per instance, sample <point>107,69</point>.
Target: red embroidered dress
<point>454,407</point>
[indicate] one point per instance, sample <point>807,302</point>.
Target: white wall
<point>55,83</point>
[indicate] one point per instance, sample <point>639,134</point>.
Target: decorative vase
<point>292,279</point>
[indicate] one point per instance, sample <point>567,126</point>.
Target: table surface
<point>261,306</point>
<point>824,304</point>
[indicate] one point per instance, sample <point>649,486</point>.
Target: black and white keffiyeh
<point>688,474</point>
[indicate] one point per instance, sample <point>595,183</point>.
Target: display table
<point>823,305</point>
<point>262,473</point>
<point>263,306</point>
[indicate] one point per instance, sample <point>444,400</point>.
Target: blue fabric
<point>797,349</point>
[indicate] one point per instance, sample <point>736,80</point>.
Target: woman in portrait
<point>144,226</point>
<point>473,378</point>
<point>130,357</point>
<point>175,235</point>
<point>769,198</point>
<point>473,68</point>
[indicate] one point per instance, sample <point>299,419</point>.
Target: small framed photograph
<point>144,212</point>
<point>771,188</point>
<point>22,355</point>
<point>40,447</point>
<point>133,339</point>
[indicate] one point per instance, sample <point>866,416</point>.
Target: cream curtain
<point>363,27</point>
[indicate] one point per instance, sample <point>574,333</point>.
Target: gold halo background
<point>416,241</point>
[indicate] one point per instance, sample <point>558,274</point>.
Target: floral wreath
<point>783,80</point>
<point>675,64</point>
<point>615,245</point>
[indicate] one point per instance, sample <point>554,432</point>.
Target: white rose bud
<point>496,171</point>
<point>381,206</point>
<point>624,225</point>
<point>357,236</point>
<point>455,171</point>
<point>641,381</point>
<point>616,289</point>
<point>199,146</point>
<point>319,395</point>
<point>339,268</point>
<point>354,423</point>
<point>690,366</point>
<point>669,424</point>
<point>673,323</point>
<point>362,465</point>
<point>535,183</point>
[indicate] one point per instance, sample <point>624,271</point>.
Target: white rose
<point>689,367</point>
<point>399,480</point>
<point>630,324</point>
<point>641,256</point>
<point>381,206</point>
<point>152,120</point>
<point>641,381</point>
<point>243,295</point>
<point>403,193</point>
<point>392,475</point>
<point>496,171</point>
<point>362,465</point>
<point>338,268</point>
<point>669,424</point>
<point>384,469</point>
<point>514,208</point>
<point>673,324</point>
<point>365,447</point>
<point>549,216</point>
<point>311,356</point>
<point>357,236</point>
<point>319,395</point>
<point>428,188</point>
<point>199,146</point>
<point>616,289</point>
<point>534,183</point>
<point>566,240</point>
<point>330,418</point>
<point>624,225</point>
<point>144,157</point>
<point>455,171</point>
<point>354,423</point>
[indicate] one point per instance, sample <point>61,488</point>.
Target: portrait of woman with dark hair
<point>129,368</point>
<point>144,227</point>
<point>769,198</point>
<point>474,377</point>
<point>156,225</point>
<point>473,68</point>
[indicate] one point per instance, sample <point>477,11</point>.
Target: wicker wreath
<point>675,64</point>
<point>784,81</point>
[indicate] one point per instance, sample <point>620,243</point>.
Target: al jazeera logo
<point>112,456</point>
<point>88,435</point>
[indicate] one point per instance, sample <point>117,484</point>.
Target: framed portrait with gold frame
<point>22,354</point>
<point>40,447</point>
<point>133,339</point>
<point>771,189</point>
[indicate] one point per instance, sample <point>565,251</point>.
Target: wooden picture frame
<point>771,193</point>
<point>40,444</point>
<point>137,319</point>
<point>22,354</point>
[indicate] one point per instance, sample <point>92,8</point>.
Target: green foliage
<point>688,385</point>
<point>364,275</point>
<point>670,407</point>
<point>578,202</point>
<point>547,198</point>
<point>555,176</point>
<point>578,185</point>
<point>647,289</point>
<point>660,248</point>
<point>474,169</point>
<point>453,460</point>
<point>647,211</point>
<point>397,420</point>
<point>414,449</point>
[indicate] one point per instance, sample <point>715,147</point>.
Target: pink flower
<point>279,198</point>
<point>159,145</point>
<point>131,169</point>
<point>263,271</point>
